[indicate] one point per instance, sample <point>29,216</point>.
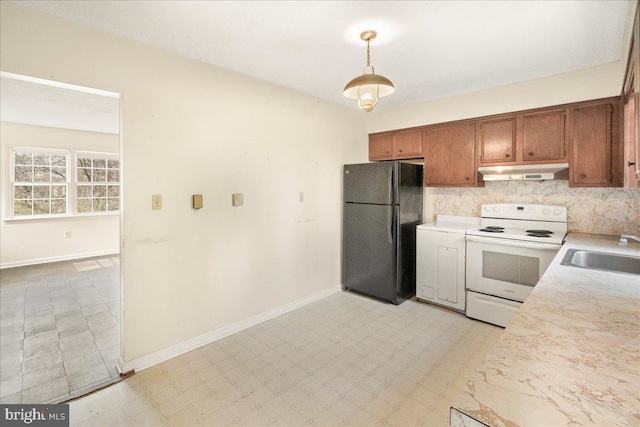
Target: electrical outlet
<point>156,202</point>
<point>237,199</point>
<point>301,197</point>
<point>67,234</point>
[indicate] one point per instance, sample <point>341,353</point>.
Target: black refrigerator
<point>382,207</point>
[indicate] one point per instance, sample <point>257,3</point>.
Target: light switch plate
<point>197,201</point>
<point>237,199</point>
<point>156,202</point>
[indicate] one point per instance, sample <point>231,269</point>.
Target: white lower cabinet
<point>440,268</point>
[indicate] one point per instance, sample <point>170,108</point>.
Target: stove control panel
<point>525,212</point>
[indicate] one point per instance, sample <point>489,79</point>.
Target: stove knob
<point>556,211</point>
<point>496,208</point>
<point>546,211</point>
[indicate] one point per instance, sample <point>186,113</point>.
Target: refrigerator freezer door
<point>372,183</point>
<point>370,239</point>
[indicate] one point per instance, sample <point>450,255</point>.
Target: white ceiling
<point>429,49</point>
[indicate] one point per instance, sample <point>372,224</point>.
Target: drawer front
<point>497,311</point>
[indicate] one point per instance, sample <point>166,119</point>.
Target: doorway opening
<point>60,202</point>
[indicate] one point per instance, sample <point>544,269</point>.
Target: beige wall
<point>592,83</point>
<point>192,128</point>
<point>38,241</point>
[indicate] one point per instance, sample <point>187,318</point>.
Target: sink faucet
<point>624,237</point>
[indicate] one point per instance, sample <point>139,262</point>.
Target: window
<point>98,183</point>
<point>39,183</point>
<point>47,183</point>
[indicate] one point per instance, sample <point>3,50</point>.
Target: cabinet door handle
<point>582,175</point>
<point>466,178</point>
<point>632,164</point>
<point>507,155</point>
<point>530,153</point>
<point>400,151</point>
<point>386,152</point>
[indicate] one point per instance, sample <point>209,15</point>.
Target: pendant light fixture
<point>367,88</point>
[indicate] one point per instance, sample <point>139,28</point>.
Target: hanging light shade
<point>368,87</point>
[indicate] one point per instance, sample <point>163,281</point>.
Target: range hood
<point>525,172</point>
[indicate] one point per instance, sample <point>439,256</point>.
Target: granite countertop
<point>570,356</point>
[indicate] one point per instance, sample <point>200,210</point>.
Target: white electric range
<point>507,255</point>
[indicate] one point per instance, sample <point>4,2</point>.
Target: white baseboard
<point>191,344</point>
<point>69,257</point>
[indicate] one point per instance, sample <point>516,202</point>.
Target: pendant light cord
<point>368,55</point>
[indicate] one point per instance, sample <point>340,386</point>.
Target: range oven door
<point>506,268</point>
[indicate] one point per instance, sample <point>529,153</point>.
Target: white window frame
<point>13,183</point>
<point>95,155</point>
<point>71,182</point>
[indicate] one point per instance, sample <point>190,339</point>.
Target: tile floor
<point>60,328</point>
<point>344,360</point>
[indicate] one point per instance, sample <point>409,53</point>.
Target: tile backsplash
<point>590,210</point>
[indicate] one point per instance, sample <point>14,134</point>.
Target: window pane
<point>112,176</point>
<point>58,174</point>
<point>23,192</point>
<point>84,191</point>
<point>41,207</point>
<point>99,163</point>
<point>24,159</point>
<point>113,204</point>
<point>22,207</point>
<point>41,199</point>
<point>58,206</point>
<point>41,159</point>
<point>99,175</point>
<point>99,191</point>
<point>59,160</point>
<point>99,205</point>
<point>58,192</point>
<point>41,191</point>
<point>84,205</point>
<point>41,174</point>
<point>114,190</point>
<point>113,164</point>
<point>84,175</point>
<point>84,163</point>
<point>24,174</point>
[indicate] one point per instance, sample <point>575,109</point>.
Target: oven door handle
<point>513,243</point>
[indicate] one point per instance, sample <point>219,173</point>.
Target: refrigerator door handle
<point>391,185</point>
<point>392,224</point>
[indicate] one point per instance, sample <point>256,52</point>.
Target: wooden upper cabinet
<point>497,142</point>
<point>596,147</point>
<point>403,144</point>
<point>535,137</point>
<point>380,146</point>
<point>588,135</point>
<point>408,144</point>
<point>543,136</point>
<point>591,146</point>
<point>449,155</point>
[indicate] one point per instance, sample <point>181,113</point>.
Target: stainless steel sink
<point>602,261</point>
